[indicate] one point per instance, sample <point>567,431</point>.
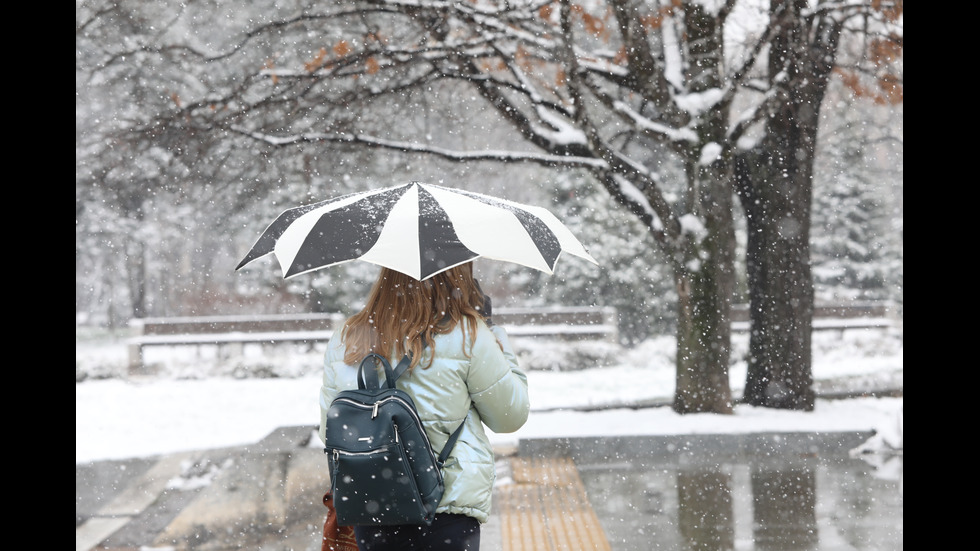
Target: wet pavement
<point>772,492</point>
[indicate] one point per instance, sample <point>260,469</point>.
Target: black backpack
<point>382,467</point>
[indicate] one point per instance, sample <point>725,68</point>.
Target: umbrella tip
<point>248,258</point>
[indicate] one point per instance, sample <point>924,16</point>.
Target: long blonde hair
<point>403,314</point>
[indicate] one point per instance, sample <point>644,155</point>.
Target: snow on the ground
<point>193,401</point>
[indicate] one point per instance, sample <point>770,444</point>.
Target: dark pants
<point>447,533</point>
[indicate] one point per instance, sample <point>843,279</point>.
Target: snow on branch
<point>644,123</point>
<point>448,154</point>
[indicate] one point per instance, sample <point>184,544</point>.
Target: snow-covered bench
<point>227,331</point>
<point>839,317</point>
<point>236,331</point>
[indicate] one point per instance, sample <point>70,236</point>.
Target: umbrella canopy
<point>417,229</point>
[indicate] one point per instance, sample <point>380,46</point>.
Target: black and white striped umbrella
<point>417,229</point>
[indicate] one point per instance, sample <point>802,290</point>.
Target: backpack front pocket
<point>375,487</point>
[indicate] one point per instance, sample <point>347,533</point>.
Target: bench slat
<point>826,324</point>
<point>232,337</point>
<point>564,323</point>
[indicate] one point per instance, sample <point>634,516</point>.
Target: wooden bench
<point>833,317</point>
<point>223,331</point>
<point>227,332</point>
<point>566,322</point>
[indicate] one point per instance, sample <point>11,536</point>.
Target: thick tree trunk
<point>705,280</point>
<point>775,183</point>
<point>705,284</point>
<point>702,350</point>
<point>780,290</point>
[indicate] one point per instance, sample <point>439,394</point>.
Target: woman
<point>463,371</point>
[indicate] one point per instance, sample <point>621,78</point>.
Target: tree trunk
<point>705,284</point>
<point>780,289</point>
<point>775,183</point>
<point>136,270</point>
<point>702,367</point>
<point>705,280</point>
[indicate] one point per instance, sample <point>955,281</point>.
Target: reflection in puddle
<point>704,509</point>
<point>784,513</point>
<point>724,499</point>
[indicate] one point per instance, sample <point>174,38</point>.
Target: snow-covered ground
<point>194,400</point>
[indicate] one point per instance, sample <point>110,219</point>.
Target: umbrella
<point>417,229</point>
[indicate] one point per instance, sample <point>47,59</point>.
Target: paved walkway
<point>267,497</point>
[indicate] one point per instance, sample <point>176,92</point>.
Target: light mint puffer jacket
<point>485,388</point>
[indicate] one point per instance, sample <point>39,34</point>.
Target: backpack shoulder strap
<point>402,366</point>
<point>444,455</point>
<point>406,361</point>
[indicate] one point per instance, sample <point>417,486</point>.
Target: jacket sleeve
<point>328,388</point>
<point>497,385</point>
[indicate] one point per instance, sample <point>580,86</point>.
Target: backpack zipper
<point>408,408</point>
<point>337,452</point>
